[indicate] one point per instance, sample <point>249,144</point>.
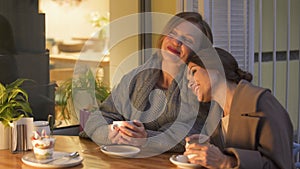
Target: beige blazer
<point>260,132</point>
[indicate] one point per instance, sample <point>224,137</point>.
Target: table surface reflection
<point>93,157</point>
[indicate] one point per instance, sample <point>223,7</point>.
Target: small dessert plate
<point>179,164</point>
<point>61,162</point>
<point>120,151</point>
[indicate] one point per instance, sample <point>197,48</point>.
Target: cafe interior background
<point>45,24</point>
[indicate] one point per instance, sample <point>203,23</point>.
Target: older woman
<point>154,95</point>
<point>255,130</point>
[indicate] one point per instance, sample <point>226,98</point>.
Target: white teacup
<point>201,139</point>
<point>39,126</point>
<point>182,158</point>
<point>120,123</point>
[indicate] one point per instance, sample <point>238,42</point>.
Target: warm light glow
<point>68,2</point>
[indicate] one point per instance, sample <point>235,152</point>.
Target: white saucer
<point>183,165</point>
<point>29,159</point>
<point>125,151</point>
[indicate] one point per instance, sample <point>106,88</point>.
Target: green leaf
<point>85,81</point>
<point>2,88</point>
<point>13,102</point>
<point>16,83</point>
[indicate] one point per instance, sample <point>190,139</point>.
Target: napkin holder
<point>20,135</point>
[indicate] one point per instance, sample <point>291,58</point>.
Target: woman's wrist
<point>229,162</point>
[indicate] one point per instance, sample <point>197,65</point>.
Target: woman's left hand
<point>208,155</point>
<point>134,134</point>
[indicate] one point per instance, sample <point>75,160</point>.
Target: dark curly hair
<point>230,67</point>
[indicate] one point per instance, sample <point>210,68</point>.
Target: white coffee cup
<point>182,158</point>
<point>39,126</point>
<point>201,139</point>
<point>120,123</point>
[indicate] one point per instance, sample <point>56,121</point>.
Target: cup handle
<point>51,123</point>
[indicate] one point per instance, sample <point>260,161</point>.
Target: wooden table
<point>93,157</point>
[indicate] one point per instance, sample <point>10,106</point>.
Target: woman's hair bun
<point>244,75</point>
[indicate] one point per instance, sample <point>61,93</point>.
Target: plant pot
<point>4,137</point>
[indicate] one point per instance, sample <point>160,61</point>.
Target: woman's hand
<point>197,138</point>
<point>209,156</point>
<point>128,133</point>
<point>113,134</point>
<point>133,134</point>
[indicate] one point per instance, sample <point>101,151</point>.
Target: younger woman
<point>255,130</point>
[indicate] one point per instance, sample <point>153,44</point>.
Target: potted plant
<point>13,106</point>
<point>85,86</point>
<point>13,103</point>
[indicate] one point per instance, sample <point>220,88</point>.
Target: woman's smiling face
<point>199,82</point>
<point>179,43</point>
